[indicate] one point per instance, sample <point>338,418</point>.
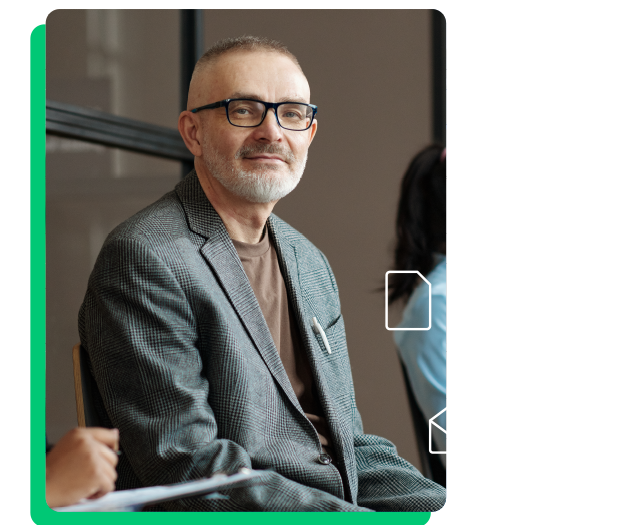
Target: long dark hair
<point>421,224</point>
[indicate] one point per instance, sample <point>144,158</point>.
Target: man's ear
<point>313,131</point>
<point>188,126</point>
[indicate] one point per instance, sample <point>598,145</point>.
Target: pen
<point>317,328</point>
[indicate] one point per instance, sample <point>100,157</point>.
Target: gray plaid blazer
<point>187,370</point>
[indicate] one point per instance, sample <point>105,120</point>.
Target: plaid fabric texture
<point>187,370</point>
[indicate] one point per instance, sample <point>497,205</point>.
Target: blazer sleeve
<point>386,482</point>
<point>138,327</point>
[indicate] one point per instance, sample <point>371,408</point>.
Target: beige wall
<point>369,73</point>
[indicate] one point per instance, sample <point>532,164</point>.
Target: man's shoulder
<point>163,218</point>
<point>304,247</point>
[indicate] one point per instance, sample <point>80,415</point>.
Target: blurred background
<point>116,82</point>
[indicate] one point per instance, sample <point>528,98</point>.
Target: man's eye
<point>292,115</point>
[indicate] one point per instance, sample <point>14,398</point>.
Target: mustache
<point>272,149</point>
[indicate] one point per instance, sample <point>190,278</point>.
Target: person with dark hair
<point>421,246</point>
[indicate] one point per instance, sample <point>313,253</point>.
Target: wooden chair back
<point>84,388</point>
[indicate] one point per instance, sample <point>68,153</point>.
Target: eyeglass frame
<point>268,105</point>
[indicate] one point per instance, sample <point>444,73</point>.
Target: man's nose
<point>269,129</point>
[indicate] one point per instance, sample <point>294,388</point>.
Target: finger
<point>108,455</point>
<point>107,436</point>
<point>106,476</point>
<point>111,474</point>
<point>102,492</point>
<point>105,482</point>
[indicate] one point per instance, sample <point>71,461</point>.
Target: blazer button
<point>324,459</point>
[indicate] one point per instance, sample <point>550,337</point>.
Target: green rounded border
<point>39,510</point>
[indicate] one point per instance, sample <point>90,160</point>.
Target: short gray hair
<point>242,43</point>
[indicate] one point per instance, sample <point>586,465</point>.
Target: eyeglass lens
<point>248,113</point>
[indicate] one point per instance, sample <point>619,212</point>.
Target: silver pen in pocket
<point>317,328</point>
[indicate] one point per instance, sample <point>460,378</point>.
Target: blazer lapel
<point>287,255</point>
<point>222,257</point>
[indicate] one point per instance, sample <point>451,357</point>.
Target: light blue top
<point>424,352</point>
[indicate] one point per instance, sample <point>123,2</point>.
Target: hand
<point>81,465</point>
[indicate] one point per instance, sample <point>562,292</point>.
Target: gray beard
<point>261,185</point>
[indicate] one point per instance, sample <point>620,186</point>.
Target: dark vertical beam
<point>439,77</point>
<point>191,49</point>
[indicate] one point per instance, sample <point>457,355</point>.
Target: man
<point>214,328</point>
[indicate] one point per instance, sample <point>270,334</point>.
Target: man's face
<point>265,163</point>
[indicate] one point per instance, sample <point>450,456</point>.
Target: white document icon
<point>433,423</point>
<point>429,299</point>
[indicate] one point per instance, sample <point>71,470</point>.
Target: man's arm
<point>386,482</point>
<point>139,329</point>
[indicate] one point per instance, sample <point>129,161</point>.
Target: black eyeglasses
<point>250,113</point>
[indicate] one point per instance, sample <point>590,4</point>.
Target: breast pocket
<point>335,336</point>
<point>335,364</point>
<point>335,333</point>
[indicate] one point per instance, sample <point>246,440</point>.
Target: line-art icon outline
<point>432,422</point>
<point>386,297</point>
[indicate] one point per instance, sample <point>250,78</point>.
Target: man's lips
<point>271,158</point>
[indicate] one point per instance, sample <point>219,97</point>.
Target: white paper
<point>134,499</point>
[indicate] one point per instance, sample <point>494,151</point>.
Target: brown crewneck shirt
<point>260,262</point>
